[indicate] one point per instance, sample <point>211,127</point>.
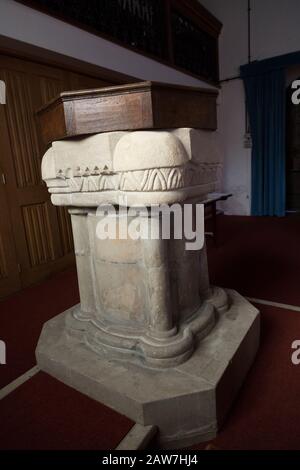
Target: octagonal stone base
<point>187,403</point>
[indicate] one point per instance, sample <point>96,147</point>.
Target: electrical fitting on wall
<point>2,353</point>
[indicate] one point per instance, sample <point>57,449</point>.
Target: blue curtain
<point>265,94</point>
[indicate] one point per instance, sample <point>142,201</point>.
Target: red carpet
<point>22,317</point>
<point>258,256</point>
<point>44,414</point>
<point>266,414</point>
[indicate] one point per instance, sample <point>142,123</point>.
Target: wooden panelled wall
<point>35,237</point>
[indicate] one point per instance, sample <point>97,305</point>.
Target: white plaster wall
<point>32,27</point>
<point>275,31</point>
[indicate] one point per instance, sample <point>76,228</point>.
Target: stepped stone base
<point>188,403</point>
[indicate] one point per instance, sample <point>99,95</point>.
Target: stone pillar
<point>83,262</point>
<point>151,337</point>
<point>155,259</point>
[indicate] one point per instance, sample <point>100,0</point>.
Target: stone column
<point>155,259</point>
<point>83,262</point>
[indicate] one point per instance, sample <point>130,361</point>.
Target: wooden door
<point>41,232</point>
<point>35,237</point>
<point>9,267</point>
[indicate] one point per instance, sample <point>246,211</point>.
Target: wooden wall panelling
<point>35,237</point>
<point>9,270</point>
<point>36,228</point>
<point>82,82</point>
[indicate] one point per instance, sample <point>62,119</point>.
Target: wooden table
<point>211,203</point>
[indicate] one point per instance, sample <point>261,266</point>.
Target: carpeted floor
<point>266,414</point>
<point>23,315</point>
<point>259,257</point>
<point>44,414</point>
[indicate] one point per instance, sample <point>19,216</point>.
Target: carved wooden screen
<point>180,33</point>
<point>194,49</point>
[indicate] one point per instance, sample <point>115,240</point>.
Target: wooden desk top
<point>142,105</point>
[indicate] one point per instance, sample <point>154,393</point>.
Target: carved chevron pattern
<point>156,179</point>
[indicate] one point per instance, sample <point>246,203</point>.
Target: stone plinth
<point>189,402</point>
<point>151,338</point>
